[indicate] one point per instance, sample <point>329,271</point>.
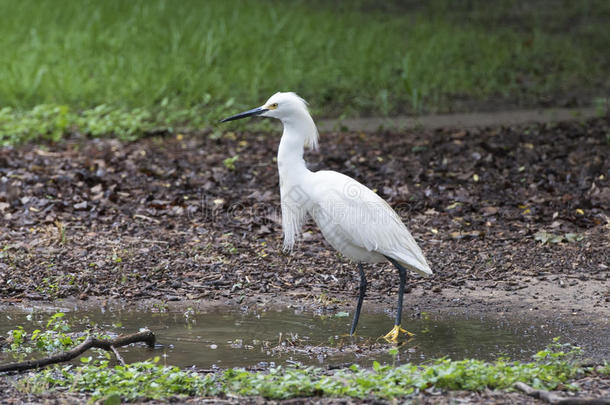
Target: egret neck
<point>298,127</point>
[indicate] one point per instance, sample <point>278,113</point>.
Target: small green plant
<point>546,237</point>
<point>160,307</point>
<point>557,351</point>
<point>18,337</point>
<point>57,335</point>
<point>230,162</point>
<point>104,120</point>
<point>130,382</point>
<point>605,369</point>
<point>48,286</point>
<point>394,353</point>
<point>230,248</point>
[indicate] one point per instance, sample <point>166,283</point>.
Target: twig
<point>555,399</point>
<point>140,216</point>
<point>143,336</point>
<point>118,355</point>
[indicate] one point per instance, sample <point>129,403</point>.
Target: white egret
<point>352,218</point>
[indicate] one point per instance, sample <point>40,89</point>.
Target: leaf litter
<point>168,218</point>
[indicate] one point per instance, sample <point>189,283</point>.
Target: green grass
<point>191,57</point>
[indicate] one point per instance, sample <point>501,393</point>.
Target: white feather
<point>294,214</point>
<point>360,224</point>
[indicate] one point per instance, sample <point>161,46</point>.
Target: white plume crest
<point>311,138</point>
<point>299,106</point>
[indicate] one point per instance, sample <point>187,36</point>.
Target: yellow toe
<point>393,335</point>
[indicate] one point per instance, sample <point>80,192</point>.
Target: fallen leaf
<point>487,211</point>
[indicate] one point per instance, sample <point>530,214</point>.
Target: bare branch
<point>118,355</point>
<point>145,336</point>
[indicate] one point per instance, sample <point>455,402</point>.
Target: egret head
<point>280,105</point>
<point>291,110</point>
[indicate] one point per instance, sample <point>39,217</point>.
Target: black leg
<point>401,289</point>
<point>360,298</point>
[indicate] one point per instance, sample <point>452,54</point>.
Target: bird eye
<point>273,106</point>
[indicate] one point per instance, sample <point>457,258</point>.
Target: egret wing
<point>353,213</point>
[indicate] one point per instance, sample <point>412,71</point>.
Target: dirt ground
<point>513,220</point>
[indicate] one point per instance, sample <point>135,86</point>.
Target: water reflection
<point>230,339</point>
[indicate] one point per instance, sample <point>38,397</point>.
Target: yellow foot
<point>392,335</point>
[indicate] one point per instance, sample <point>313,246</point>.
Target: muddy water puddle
<point>262,339</point>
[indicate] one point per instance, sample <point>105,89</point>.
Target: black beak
<point>249,113</point>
